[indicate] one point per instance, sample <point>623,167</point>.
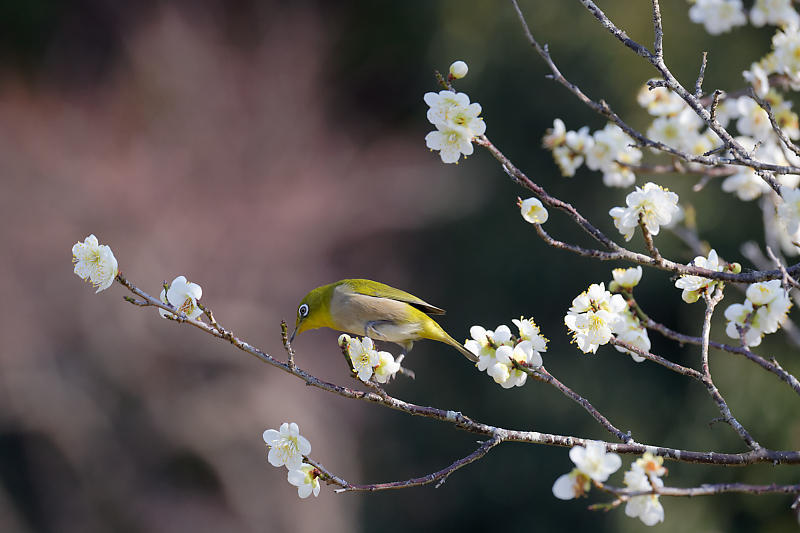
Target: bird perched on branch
<point>375,310</point>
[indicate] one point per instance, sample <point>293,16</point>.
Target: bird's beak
<point>291,339</point>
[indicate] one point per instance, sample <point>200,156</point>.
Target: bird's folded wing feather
<point>381,290</point>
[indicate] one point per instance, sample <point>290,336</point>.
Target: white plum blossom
<point>655,205</point>
<point>774,12</point>
<point>627,277</point>
<point>789,211</point>
<point>634,334</point>
<point>594,461</point>
<point>763,311</point>
<point>786,45</point>
<point>182,295</point>
<point>594,317</point>
<point>718,16</point>
<point>610,147</point>
<point>286,446</point>
<point>386,368</point>
<point>503,370</point>
<point>647,507</point>
<point>306,479</point>
<point>568,160</point>
<point>660,101</point>
<point>693,286</point>
<point>95,262</point>
<point>572,485</point>
<point>555,136</point>
<point>753,119</point>
<point>498,351</point>
<point>364,356</point>
<point>457,123</point>
<point>764,292</point>
<point>608,150</point>
<point>533,211</point>
<point>458,70</point>
<point>677,131</point>
<point>738,316</point>
<point>746,184</point>
<point>758,78</point>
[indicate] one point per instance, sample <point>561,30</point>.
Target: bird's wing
<point>381,290</point>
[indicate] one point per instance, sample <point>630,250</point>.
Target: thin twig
<point>698,85</point>
<point>436,477</point>
<point>711,302</point>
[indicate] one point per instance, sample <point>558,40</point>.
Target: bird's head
<point>314,310</point>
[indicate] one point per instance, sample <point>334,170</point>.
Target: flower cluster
<point>95,262</point>
<point>608,150</point>
<point>694,286</point>
<point>746,183</point>
<point>763,311</point>
<point>653,204</point>
<point>631,329</point>
<point>287,448</point>
<point>645,475</point>
<point>596,315</point>
<point>182,295</point>
<point>592,463</point>
<point>367,361</point>
<point>499,350</point>
<point>457,123</point>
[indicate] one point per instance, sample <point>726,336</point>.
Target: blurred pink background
<point>220,163</point>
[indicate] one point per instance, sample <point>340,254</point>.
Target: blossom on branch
<point>763,311</point>
<point>718,16</point>
<point>499,352</point>
<point>646,507</point>
<point>694,286</point>
<point>386,368</point>
<point>458,70</point>
<point>660,101</point>
<point>655,205</point>
<point>573,485</point>
<point>627,278</point>
<point>774,12</point>
<point>533,211</point>
<point>457,123</point>
<point>286,446</point>
<point>364,356</point>
<point>612,146</point>
<point>306,479</point>
<point>594,461</point>
<point>95,262</point>
<point>594,317</point>
<point>183,295</point>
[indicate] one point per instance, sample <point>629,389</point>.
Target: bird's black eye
<point>302,311</point>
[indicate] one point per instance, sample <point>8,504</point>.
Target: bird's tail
<point>460,347</point>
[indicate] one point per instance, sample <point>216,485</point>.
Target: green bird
<point>375,310</point>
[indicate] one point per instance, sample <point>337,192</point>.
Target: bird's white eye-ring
<point>302,311</point>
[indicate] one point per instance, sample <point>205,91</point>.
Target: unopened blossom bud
<point>458,70</point>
